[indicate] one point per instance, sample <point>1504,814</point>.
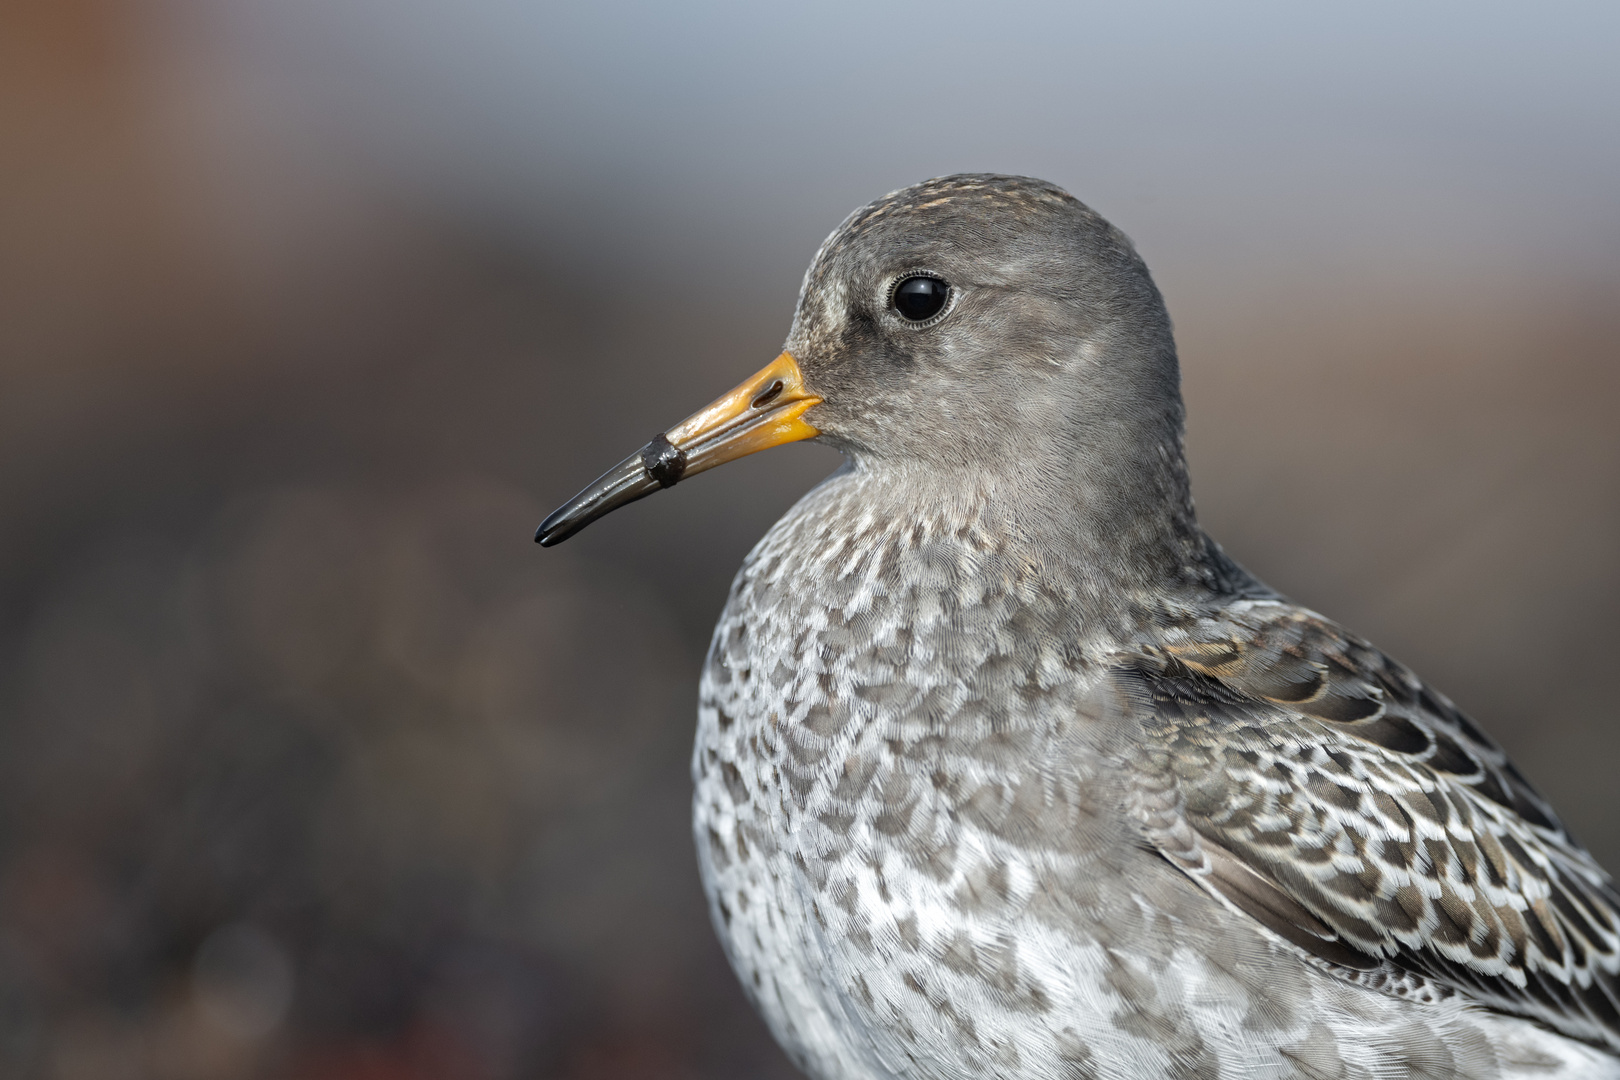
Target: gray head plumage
<point>1048,301</point>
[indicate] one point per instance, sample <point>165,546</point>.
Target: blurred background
<point>313,766</point>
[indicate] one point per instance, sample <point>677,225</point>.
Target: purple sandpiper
<point>1005,769</point>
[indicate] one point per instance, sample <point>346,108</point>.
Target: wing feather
<point>1318,786</point>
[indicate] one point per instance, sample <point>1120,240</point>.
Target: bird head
<point>979,322</point>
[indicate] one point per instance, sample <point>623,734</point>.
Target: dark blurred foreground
<point>313,766</point>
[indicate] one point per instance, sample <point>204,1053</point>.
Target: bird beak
<point>766,410</point>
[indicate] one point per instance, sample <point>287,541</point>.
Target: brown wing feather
<point>1318,786</point>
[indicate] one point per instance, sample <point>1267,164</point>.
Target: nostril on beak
<point>767,395</point>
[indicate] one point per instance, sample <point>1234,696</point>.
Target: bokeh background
<point>313,767</point>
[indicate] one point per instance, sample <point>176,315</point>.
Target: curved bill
<point>766,410</point>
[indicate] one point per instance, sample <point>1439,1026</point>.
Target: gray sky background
<point>1261,136</point>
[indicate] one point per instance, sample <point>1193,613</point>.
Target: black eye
<point>919,297</point>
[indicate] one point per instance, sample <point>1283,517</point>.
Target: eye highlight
<point>919,297</point>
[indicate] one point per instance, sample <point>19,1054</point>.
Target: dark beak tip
<point>555,529</point>
<point>624,483</point>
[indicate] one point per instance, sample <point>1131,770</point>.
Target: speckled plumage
<point>1003,769</point>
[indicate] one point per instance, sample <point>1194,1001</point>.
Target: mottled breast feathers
<point>1308,780</point>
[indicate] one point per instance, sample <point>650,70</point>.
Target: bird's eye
<point>919,297</point>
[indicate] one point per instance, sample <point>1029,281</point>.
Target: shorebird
<point>1004,769</point>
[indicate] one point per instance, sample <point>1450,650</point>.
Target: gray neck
<point>1096,545</point>
<point>1091,493</point>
